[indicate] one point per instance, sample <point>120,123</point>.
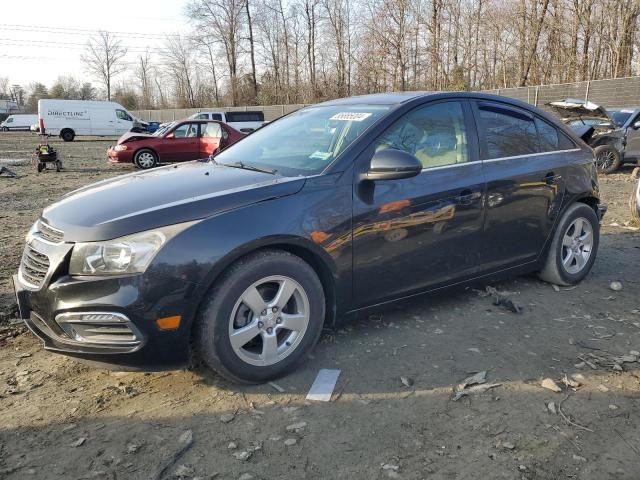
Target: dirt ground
<point>60,419</point>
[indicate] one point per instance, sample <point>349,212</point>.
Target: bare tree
<point>104,57</point>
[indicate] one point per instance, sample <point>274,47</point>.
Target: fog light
<point>101,328</point>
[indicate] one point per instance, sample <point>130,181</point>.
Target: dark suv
<point>241,259</point>
<point>616,132</point>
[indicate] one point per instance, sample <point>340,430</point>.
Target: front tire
<point>261,318</point>
<point>574,246</point>
<point>67,135</point>
<point>145,159</point>
<point>607,159</point>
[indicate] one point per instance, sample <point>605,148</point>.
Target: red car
<point>178,142</point>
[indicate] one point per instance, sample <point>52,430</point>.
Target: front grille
<point>49,233</point>
<point>34,266</point>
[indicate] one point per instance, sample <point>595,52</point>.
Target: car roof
<point>399,98</point>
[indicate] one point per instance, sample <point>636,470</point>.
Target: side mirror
<point>636,125</point>
<point>392,164</point>
<point>171,135</point>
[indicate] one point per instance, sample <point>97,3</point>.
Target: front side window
<point>122,115</point>
<point>507,132</point>
<point>186,130</point>
<point>435,134</point>
<point>202,116</point>
<point>306,141</point>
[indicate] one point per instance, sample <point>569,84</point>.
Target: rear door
<point>181,144</point>
<point>421,232</point>
<point>524,158</point>
<point>211,139</point>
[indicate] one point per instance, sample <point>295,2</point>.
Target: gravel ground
<point>392,413</point>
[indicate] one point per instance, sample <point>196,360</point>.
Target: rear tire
<point>145,159</point>
<point>607,159</point>
<point>67,135</point>
<point>574,246</point>
<point>261,318</point>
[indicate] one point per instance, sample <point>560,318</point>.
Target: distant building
<point>8,106</point>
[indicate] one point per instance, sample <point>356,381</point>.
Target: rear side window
<point>212,130</point>
<point>245,117</point>
<point>550,139</point>
<point>507,132</point>
<point>216,116</point>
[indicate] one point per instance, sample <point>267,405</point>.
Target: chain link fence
<point>609,93</point>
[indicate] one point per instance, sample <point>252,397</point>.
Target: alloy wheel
<point>269,320</point>
<point>605,159</point>
<point>577,245</point>
<point>146,160</point>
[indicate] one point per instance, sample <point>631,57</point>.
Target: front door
<point>524,158</point>
<point>421,232</point>
<point>181,144</point>
<point>124,122</point>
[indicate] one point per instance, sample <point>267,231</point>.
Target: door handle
<point>467,197</point>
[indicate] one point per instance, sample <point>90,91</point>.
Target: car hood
<point>571,108</point>
<point>131,136</point>
<point>159,197</point>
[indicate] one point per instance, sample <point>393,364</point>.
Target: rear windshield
<point>245,117</point>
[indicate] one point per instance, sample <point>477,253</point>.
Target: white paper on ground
<point>323,385</point>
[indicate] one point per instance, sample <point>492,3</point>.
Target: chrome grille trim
<point>50,234</point>
<point>33,267</point>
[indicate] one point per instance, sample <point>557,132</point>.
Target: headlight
<point>130,254</point>
<point>120,148</point>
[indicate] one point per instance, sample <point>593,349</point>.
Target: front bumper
<point>125,156</point>
<point>139,300</point>
<point>602,209</point>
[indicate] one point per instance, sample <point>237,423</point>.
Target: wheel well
<point>318,265</point>
<point>591,201</point>
<point>133,159</point>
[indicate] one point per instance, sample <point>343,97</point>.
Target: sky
<point>42,39</point>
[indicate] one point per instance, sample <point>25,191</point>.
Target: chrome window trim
<point>532,155</point>
<point>499,159</point>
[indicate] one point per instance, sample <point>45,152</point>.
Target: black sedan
<point>241,259</point>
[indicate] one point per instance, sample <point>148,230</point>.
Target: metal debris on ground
<point>474,390</point>
<point>8,173</point>
<point>323,385</point>
<point>503,299</point>
<point>549,384</point>
<point>603,359</point>
<point>185,441</point>
<point>407,381</point>
<point>478,378</point>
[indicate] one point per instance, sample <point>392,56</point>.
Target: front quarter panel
<point>316,220</point>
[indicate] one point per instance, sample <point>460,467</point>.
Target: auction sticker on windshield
<point>351,116</point>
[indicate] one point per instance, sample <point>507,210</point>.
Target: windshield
<point>304,142</point>
<point>163,129</point>
<point>619,116</point>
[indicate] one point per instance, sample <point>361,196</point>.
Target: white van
<point>242,121</point>
<point>71,118</point>
<point>18,122</point>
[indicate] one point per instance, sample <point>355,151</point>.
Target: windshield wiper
<point>253,168</point>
